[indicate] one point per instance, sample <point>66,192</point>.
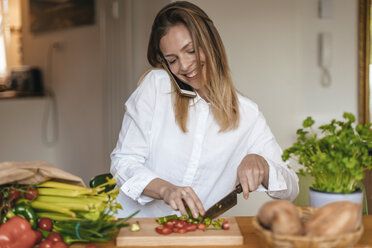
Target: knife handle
<point>238,188</point>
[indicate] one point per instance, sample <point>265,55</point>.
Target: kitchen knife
<point>229,201</point>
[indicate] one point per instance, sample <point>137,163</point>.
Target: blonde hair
<point>220,91</point>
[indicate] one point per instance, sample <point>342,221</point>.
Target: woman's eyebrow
<point>182,49</point>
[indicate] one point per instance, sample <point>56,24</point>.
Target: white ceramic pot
<point>320,198</point>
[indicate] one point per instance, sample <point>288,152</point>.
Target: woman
<point>175,150</point>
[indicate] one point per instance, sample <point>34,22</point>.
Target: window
<point>3,28</point>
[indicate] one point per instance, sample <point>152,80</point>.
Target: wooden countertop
<point>251,240</point>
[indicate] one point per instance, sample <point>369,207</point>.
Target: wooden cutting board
<point>147,236</point>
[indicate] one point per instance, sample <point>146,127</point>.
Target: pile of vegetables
<point>336,218</point>
<point>60,213</point>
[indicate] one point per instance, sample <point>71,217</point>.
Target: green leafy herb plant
<point>336,157</point>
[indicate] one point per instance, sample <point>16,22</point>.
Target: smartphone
<point>182,87</point>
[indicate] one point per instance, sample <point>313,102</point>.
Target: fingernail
<point>195,215</point>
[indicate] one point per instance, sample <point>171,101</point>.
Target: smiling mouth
<point>192,74</point>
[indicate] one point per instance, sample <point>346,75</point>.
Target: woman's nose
<point>185,64</point>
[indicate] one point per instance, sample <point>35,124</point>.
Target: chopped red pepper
<point>17,233</point>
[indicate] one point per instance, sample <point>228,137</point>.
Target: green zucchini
<point>101,179</point>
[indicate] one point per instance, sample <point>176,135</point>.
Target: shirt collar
<point>198,99</point>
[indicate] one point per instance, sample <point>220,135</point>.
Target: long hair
<point>220,91</point>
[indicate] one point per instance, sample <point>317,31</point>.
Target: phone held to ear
<point>183,88</point>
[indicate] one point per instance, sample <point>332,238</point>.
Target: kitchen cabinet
<point>251,240</point>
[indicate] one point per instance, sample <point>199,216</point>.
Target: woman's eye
<point>191,51</point>
<point>172,61</point>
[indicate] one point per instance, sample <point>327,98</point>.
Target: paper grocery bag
<point>35,172</point>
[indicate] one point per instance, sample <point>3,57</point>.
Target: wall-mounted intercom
<point>325,57</point>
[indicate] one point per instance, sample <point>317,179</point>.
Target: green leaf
<point>308,122</point>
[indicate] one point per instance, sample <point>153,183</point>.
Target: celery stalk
<point>52,208</point>
<point>62,199</point>
<point>58,185</point>
<point>73,205</point>
<point>63,192</point>
<point>56,216</point>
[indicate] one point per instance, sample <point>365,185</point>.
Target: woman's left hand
<point>253,171</point>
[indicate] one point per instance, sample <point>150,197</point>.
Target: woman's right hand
<point>177,197</point>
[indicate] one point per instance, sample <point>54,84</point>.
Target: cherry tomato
<point>179,224</point>
<point>191,227</point>
<point>31,194</point>
<point>45,223</point>
<point>163,230</point>
<point>159,229</point>
<point>167,230</point>
<point>46,244</point>
<point>55,237</point>
<point>39,236</point>
<point>226,225</point>
<point>14,194</point>
<point>182,230</point>
<point>169,224</point>
<point>173,221</point>
<point>60,244</point>
<point>202,226</point>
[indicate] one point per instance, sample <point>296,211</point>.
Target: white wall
<point>77,82</point>
<point>272,50</point>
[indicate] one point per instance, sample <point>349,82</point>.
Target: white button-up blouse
<point>151,145</point>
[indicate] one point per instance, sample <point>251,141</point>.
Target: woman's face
<point>178,50</point>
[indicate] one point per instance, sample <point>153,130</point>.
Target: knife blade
<point>229,201</point>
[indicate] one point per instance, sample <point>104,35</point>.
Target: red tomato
<point>167,230</point>
<point>45,223</point>
<point>169,224</point>
<point>55,237</point>
<point>31,194</point>
<point>39,236</point>
<point>175,229</point>
<point>202,226</point>
<point>226,225</point>
<point>180,224</point>
<point>182,230</point>
<point>60,244</point>
<point>159,229</point>
<point>14,194</point>
<point>191,227</point>
<point>163,230</point>
<point>46,244</point>
<point>173,221</point>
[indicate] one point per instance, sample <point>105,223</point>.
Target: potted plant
<point>336,158</point>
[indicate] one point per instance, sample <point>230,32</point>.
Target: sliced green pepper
<point>26,212</point>
<point>101,179</point>
<point>164,219</point>
<point>207,221</point>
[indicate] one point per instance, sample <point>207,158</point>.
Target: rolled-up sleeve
<point>283,181</point>
<point>129,157</point>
